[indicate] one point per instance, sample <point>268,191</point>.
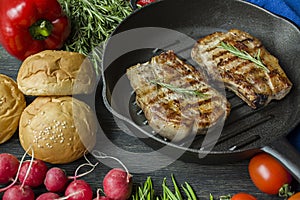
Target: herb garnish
<point>245,55</point>
<point>179,90</point>
<point>92,21</point>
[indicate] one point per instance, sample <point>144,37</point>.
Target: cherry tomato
<point>295,196</point>
<point>267,174</point>
<point>243,196</point>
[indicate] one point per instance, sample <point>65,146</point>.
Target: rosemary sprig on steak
<point>245,55</point>
<point>179,90</point>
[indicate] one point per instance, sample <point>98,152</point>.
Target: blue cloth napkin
<point>289,9</point>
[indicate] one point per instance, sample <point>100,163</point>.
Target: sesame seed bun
<point>56,73</point>
<point>12,103</point>
<point>59,129</point>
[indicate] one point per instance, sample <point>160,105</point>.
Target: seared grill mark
<point>247,80</point>
<point>169,112</point>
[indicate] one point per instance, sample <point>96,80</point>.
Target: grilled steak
<point>255,85</point>
<point>175,97</point>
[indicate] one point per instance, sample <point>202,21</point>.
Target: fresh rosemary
<point>179,90</point>
<point>92,22</point>
<point>245,55</point>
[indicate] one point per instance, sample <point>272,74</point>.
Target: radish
<point>18,192</point>
<point>55,180</point>
<point>37,173</point>
<point>9,165</point>
<point>48,196</point>
<point>117,184</point>
<point>18,172</point>
<point>79,190</point>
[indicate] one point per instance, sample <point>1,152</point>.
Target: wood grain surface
<point>218,180</point>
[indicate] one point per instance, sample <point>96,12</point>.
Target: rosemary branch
<point>179,90</point>
<point>92,22</point>
<point>245,55</point>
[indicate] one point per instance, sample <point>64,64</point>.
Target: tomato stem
<point>285,191</point>
<point>225,197</point>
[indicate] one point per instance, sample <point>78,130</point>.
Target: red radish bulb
<point>48,196</point>
<point>117,184</point>
<point>17,192</point>
<point>79,190</point>
<point>9,165</point>
<point>55,180</point>
<point>36,175</point>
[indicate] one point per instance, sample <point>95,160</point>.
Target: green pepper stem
<point>41,29</point>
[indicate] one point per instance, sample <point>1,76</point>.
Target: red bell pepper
<point>30,26</point>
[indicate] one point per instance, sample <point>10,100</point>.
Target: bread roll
<point>12,103</point>
<point>59,73</point>
<point>59,129</point>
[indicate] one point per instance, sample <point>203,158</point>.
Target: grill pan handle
<point>283,151</point>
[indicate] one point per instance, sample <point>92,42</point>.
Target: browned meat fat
<point>255,85</point>
<point>173,113</point>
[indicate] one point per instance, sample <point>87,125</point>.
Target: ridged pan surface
<point>246,130</point>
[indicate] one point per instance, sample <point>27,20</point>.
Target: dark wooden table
<point>218,180</point>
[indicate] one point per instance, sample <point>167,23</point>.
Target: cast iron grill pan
<point>246,131</point>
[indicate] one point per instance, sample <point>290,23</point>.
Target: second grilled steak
<point>175,97</point>
<point>257,86</point>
